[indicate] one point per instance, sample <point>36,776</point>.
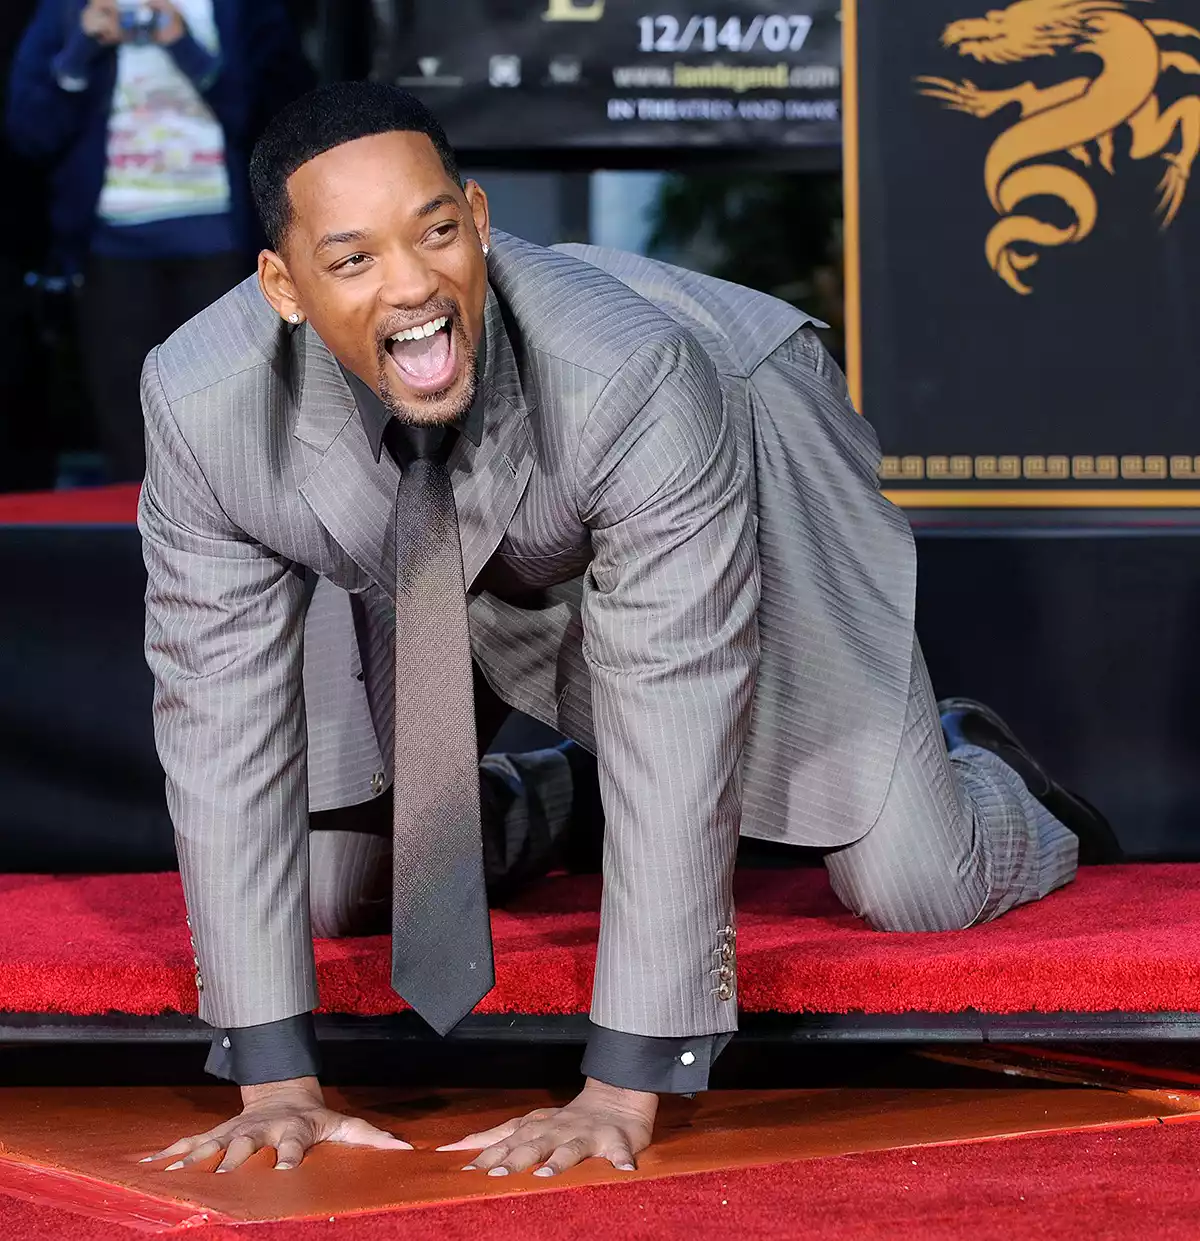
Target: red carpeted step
<point>1119,938</point>
<point>88,506</point>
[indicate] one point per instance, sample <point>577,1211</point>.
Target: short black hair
<point>329,117</point>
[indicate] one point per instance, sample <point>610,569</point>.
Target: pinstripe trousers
<point>959,841</point>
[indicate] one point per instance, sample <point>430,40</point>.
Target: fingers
<point>238,1151</point>
<point>182,1147</point>
<point>526,1155</point>
<point>495,1156</point>
<point>565,1155</point>
<point>289,1152</point>
<point>356,1132</point>
<point>608,1145</point>
<point>621,1157</point>
<point>489,1137</point>
<point>199,1153</point>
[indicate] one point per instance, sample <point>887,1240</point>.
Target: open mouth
<point>425,354</point>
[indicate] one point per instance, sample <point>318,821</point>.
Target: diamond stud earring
<point>486,249</point>
<point>293,317</point>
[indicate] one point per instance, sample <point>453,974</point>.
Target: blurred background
<point>753,205</point>
<point>1042,440</point>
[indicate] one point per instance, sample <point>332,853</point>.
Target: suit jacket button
<point>199,982</point>
<point>377,783</point>
<point>726,952</point>
<point>724,992</point>
<point>725,974</point>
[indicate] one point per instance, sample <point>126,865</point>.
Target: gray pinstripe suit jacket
<point>677,553</point>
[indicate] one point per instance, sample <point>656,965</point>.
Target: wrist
<point>308,1088</point>
<point>643,1102</point>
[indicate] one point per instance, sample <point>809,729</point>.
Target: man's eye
<point>443,232</point>
<point>355,260</point>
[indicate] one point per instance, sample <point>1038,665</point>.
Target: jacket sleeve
<point>671,642</point>
<point>42,116</point>
<point>224,639</point>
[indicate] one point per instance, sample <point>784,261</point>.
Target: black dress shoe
<point>967,722</point>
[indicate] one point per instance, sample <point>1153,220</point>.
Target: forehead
<point>366,182</point>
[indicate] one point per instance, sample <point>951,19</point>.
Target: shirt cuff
<point>197,62</point>
<point>274,1052</point>
<point>73,64</point>
<point>657,1065</point>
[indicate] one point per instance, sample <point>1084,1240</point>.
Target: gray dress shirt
<point>282,1050</point>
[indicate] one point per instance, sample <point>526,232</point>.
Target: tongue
<point>423,358</point>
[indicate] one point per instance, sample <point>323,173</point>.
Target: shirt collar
<point>376,416</point>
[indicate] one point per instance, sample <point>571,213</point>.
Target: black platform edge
<point>767,1028</point>
<point>1054,523</point>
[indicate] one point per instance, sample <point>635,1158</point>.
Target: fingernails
<point>626,1167</point>
<point>222,1169</point>
<point>284,1167</point>
<point>498,1172</point>
<point>177,1164</point>
<point>148,1159</point>
<point>544,1172</point>
<point>470,1168</point>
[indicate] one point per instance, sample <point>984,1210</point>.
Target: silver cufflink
<point>687,1058</point>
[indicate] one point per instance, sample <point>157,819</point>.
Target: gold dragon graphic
<point>1066,119</point>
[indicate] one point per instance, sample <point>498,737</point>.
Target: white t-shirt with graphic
<point>166,148</point>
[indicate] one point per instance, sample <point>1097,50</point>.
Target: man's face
<point>384,259</point>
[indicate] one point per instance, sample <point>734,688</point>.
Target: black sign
<point>1023,248</point>
<point>613,73</point>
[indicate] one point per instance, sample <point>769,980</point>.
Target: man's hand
<point>289,1116</point>
<point>101,21</point>
<point>171,27</point>
<point>602,1122</point>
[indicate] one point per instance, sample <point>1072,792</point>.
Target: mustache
<point>400,323</point>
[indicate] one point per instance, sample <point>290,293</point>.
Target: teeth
<point>422,330</point>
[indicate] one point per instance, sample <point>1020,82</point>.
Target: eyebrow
<point>340,239</point>
<point>434,204</point>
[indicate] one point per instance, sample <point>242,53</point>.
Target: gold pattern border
<point>987,468</point>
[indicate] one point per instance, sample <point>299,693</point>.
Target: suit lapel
<point>354,496</point>
<point>490,480</point>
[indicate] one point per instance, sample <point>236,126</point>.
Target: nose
<point>409,282</point>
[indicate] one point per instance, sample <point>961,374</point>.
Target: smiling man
<point>631,501</point>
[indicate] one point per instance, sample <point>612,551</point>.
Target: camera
<point>139,23</point>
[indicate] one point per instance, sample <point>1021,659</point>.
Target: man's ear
<point>478,203</point>
<point>277,287</point>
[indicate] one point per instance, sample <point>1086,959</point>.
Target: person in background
<point>146,113</point>
<point>24,457</point>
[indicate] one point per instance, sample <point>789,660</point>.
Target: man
<point>667,519</point>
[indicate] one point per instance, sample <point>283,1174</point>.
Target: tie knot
<point>421,443</point>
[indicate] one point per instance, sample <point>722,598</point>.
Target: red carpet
<point>88,506</point>
<point>1120,938</point>
<point>1098,1186</point>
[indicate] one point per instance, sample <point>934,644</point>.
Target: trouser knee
<point>908,898</point>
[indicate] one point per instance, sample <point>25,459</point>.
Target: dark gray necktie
<point>441,933</point>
